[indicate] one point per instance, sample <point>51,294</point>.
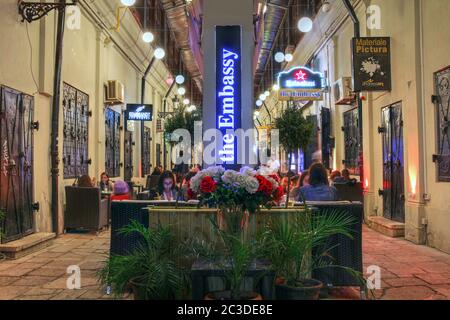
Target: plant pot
<point>138,289</point>
<point>310,290</point>
<point>226,295</point>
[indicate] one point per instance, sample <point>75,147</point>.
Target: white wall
<point>91,56</point>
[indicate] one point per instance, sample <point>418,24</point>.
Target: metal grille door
<point>146,160</point>
<point>393,163</point>
<point>16,160</point>
<point>76,129</point>
<point>327,145</point>
<point>128,174</point>
<point>351,140</point>
<point>112,143</point>
<point>442,102</point>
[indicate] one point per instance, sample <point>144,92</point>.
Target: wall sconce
<point>32,11</point>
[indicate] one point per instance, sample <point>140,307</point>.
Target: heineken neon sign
<point>300,83</point>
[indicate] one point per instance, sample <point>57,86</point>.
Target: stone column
<point>228,13</point>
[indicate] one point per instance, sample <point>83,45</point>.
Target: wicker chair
<point>85,209</point>
<point>345,252</point>
<point>122,213</point>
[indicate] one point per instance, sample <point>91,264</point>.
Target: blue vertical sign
<point>228,90</point>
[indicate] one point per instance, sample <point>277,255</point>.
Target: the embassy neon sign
<point>300,83</point>
<point>228,87</point>
<point>226,120</point>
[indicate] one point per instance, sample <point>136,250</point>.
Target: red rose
<point>265,186</point>
<point>208,185</point>
<point>191,194</point>
<point>278,194</point>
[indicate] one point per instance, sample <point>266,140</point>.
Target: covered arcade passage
<point>183,112</point>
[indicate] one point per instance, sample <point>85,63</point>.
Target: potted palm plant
<point>297,246</point>
<point>154,271</point>
<point>295,133</point>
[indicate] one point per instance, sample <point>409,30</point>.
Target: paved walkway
<point>408,271</point>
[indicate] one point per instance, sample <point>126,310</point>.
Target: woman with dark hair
<point>167,186</point>
<point>304,179</point>
<point>86,182</point>
<point>105,183</point>
<point>156,171</point>
<point>319,188</point>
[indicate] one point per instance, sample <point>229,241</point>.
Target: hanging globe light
<point>128,3</point>
<point>259,103</point>
<point>275,87</point>
<point>181,91</point>
<point>305,24</point>
<point>262,97</point>
<point>160,53</point>
<point>186,101</point>
<point>179,79</point>
<point>267,93</point>
<point>289,57</point>
<point>148,37</point>
<point>279,57</point>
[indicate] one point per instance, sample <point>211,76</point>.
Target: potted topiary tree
<point>152,272</point>
<point>297,246</point>
<point>295,132</point>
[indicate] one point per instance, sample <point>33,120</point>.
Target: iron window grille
<point>76,132</point>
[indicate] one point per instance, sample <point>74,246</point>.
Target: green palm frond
<point>155,264</point>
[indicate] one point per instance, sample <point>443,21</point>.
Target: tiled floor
<point>408,271</point>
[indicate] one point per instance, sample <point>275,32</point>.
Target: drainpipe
<point>143,81</point>
<point>268,112</point>
<point>55,118</point>
<point>164,112</point>
<point>356,26</point>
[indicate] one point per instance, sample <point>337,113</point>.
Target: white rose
<point>251,184</point>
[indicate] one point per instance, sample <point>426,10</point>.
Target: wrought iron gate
<point>76,132</point>
<point>16,159</point>
<point>128,160</point>
<point>112,143</point>
<point>351,141</point>
<point>442,102</point>
<point>158,154</point>
<point>393,163</point>
<point>146,160</point>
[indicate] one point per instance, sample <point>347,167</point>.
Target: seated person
<point>304,179</point>
<point>319,188</point>
<point>295,187</point>
<point>167,187</point>
<point>86,182</point>
<point>105,183</point>
<point>335,176</point>
<point>121,191</point>
<point>345,178</point>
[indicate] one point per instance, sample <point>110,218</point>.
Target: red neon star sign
<point>300,75</point>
